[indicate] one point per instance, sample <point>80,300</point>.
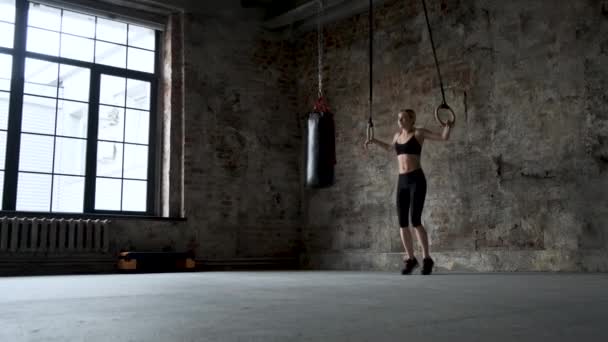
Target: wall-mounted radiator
<point>53,235</point>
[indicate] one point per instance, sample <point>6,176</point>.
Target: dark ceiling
<point>273,7</point>
<point>303,15</point>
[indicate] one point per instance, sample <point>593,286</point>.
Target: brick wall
<point>241,143</point>
<point>521,185</point>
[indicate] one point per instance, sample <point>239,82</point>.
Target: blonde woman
<point>411,189</point>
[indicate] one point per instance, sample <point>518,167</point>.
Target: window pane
<point>6,70</point>
<point>141,60</point>
<point>44,17</point>
<point>36,153</point>
<point>70,156</point>
<point>79,24</point>
<point>72,118</point>
<point>7,12</point>
<point>137,122</point>
<point>107,194</point>
<point>2,151</point>
<point>74,82</point>
<point>112,90</point>
<point>141,37</point>
<point>42,41</point>
<point>33,192</point>
<point>77,48</point>
<point>41,77</point>
<point>111,31</point>
<point>7,32</point>
<point>4,99</point>
<point>138,94</point>
<point>136,162</point>
<point>38,115</point>
<point>110,54</point>
<point>68,194</point>
<point>134,195</point>
<point>111,123</point>
<point>109,159</point>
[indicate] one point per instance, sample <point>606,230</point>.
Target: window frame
<point>19,55</point>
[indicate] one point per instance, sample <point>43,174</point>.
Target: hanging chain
<point>320,47</point>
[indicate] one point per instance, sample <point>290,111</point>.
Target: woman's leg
<point>417,205</point>
<point>423,239</point>
<point>408,243</point>
<point>418,197</point>
<point>403,208</point>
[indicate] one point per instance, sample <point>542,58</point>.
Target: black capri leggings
<point>411,189</point>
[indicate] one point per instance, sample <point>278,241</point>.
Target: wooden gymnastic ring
<point>452,114</point>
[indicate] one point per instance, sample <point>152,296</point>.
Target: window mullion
<point>152,154</point>
<point>93,128</point>
<point>13,138</point>
<point>154,135</point>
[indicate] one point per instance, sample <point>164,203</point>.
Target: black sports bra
<point>412,146</point>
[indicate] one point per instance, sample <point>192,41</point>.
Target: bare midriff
<point>408,162</point>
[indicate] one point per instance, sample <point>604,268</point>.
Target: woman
<point>411,188</point>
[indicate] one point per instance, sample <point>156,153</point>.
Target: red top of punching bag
<point>321,106</point>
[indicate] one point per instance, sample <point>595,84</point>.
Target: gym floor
<point>305,306</point>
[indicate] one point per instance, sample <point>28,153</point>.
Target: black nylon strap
<point>426,15</point>
<point>371,59</point>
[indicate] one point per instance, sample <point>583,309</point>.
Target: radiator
<point>53,235</point>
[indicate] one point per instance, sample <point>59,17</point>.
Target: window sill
<point>92,216</point>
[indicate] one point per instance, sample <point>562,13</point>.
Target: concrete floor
<point>305,306</point>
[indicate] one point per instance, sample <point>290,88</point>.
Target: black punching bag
<point>312,150</point>
<point>321,147</point>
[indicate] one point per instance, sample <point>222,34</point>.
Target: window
<point>76,131</point>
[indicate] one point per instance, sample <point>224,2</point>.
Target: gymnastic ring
<point>452,114</point>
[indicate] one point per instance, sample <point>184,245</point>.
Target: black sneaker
<point>410,264</point>
<point>427,266</point>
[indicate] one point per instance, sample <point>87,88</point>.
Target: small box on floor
<point>156,261</point>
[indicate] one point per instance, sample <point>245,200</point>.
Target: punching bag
<point>321,147</point>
